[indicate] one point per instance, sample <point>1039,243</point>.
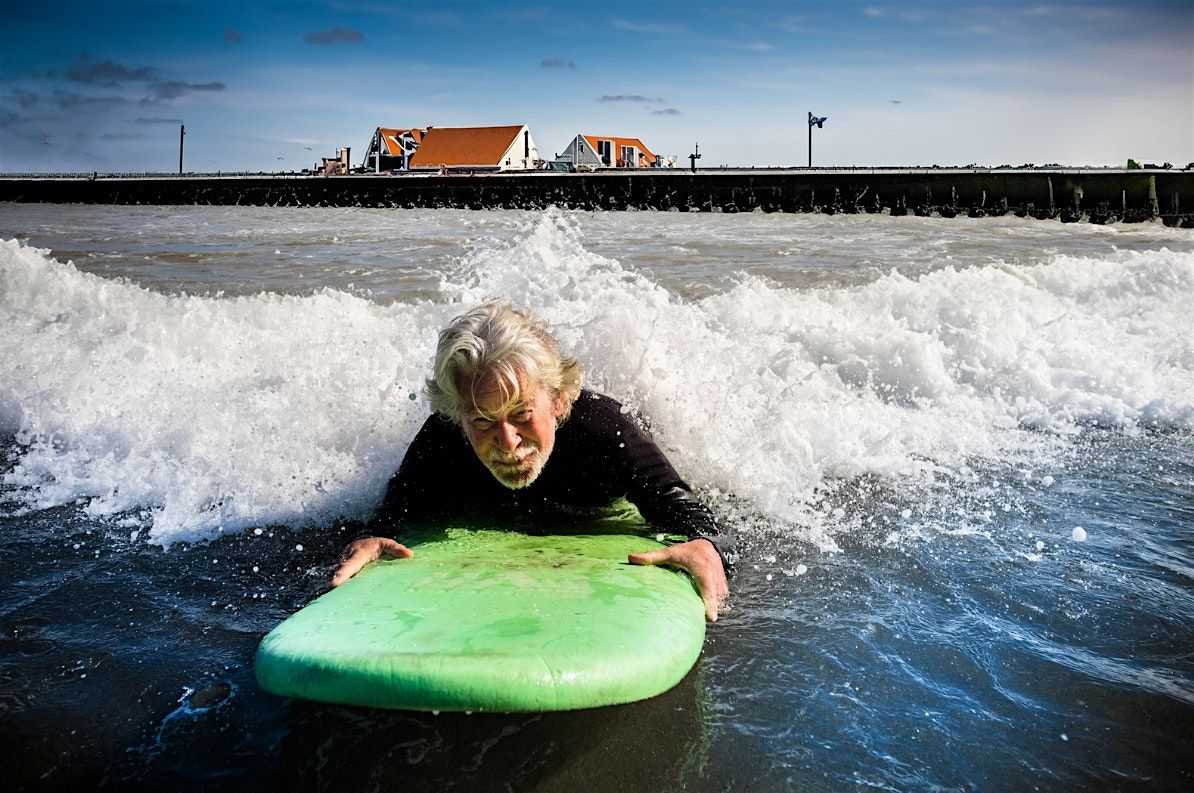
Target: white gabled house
<point>608,151</point>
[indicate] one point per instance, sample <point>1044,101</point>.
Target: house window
<point>604,150</point>
<point>628,159</point>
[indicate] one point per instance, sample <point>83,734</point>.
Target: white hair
<point>499,341</point>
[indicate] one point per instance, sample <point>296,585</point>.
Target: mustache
<point>501,458</point>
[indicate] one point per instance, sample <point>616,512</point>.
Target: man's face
<point>512,441</point>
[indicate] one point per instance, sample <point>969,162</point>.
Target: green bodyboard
<point>485,620</point>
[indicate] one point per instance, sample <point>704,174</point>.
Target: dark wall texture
<point>1094,196</point>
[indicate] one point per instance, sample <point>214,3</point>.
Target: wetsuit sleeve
<point>414,492</point>
<point>665,499</point>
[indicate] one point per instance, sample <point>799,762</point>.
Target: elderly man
<point>513,431</point>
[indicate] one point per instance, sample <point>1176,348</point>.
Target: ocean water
<point>959,453</point>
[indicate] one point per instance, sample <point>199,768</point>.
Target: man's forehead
<point>491,389</point>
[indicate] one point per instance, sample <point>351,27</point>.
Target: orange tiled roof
<point>463,146</point>
<point>619,143</point>
<point>390,137</point>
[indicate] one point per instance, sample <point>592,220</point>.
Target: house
<point>338,165</point>
<point>395,147</point>
<point>606,151</point>
<point>476,149</point>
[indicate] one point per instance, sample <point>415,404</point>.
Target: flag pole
<point>818,121</point>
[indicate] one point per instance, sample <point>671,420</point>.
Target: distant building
<point>335,166</point>
<point>476,148</point>
<point>391,149</point>
<point>608,151</point>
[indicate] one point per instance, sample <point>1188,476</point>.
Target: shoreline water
<point>908,420</point>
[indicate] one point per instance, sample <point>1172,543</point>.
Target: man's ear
<point>558,404</point>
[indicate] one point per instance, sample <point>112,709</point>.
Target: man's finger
<point>394,549</point>
<point>709,579</point>
<point>713,588</point>
<point>649,557</point>
<point>352,565</point>
<point>365,551</point>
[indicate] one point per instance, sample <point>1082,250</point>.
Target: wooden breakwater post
<point>1092,195</point>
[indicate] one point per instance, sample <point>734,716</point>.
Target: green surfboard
<point>485,620</point>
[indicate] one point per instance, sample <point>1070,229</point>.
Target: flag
<point>819,122</point>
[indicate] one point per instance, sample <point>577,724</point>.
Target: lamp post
<point>814,121</point>
<point>182,133</point>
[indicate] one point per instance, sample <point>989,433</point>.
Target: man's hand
<point>701,561</point>
<point>365,550</point>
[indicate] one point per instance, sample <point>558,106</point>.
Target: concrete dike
<point>1069,195</point>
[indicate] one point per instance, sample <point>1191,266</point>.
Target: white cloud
<point>646,27</point>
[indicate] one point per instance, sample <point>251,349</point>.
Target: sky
<point>272,86</point>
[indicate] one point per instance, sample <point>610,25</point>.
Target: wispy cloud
<point>123,136</point>
<point>108,73</point>
<point>445,19</point>
<point>1077,10</point>
<point>155,120</point>
<point>905,14</point>
<point>667,111</point>
<point>647,27</point>
<point>69,100</point>
<point>557,63</point>
<point>26,99</point>
<point>336,35</point>
<point>632,98</point>
<point>792,24</point>
<point>172,89</point>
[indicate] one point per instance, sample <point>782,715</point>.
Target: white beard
<point>517,471</point>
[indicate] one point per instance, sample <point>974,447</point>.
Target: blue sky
<point>275,85</point>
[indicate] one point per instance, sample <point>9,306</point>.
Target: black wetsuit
<point>601,454</point>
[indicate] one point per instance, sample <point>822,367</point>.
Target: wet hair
<point>499,341</point>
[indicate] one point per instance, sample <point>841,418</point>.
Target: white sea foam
<point>210,413</point>
<point>207,412</point>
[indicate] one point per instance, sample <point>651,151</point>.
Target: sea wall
<point>1097,196</point>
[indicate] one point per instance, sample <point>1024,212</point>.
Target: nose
<point>508,438</point>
